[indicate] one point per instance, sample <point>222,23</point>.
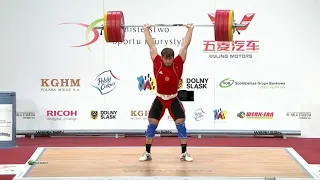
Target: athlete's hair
<point>167,53</point>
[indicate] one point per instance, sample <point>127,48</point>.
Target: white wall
<point>34,46</point>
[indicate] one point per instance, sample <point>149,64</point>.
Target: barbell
<point>114,26</point>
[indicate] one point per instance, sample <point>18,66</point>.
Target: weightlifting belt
<point>167,97</point>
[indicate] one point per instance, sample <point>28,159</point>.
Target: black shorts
<point>159,107</point>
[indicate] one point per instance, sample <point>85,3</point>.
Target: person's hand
<point>146,26</point>
<point>190,26</point>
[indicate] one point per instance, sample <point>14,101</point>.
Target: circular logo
<point>167,78</point>
<point>241,114</point>
<point>226,83</point>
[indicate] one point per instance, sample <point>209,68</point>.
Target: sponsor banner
<point>62,115</point>
<point>198,114</point>
<point>49,133</point>
<point>26,115</point>
<point>105,82</point>
<point>236,49</point>
<point>226,83</point>
<point>9,169</point>
<point>108,115</point>
<point>60,85</point>
<point>267,132</point>
<point>220,115</point>
<point>256,115</point>
<point>82,83</point>
<point>146,84</point>
<point>139,114</point>
<point>299,115</point>
<point>6,122</point>
<point>195,83</point>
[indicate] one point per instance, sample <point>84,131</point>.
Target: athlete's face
<point>167,61</point>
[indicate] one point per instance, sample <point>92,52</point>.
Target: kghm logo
<point>226,83</point>
<point>139,114</point>
<point>61,85</point>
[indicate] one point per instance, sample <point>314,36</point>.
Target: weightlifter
<point>167,70</point>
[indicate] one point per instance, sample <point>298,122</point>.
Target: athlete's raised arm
<point>150,42</point>
<point>186,42</point>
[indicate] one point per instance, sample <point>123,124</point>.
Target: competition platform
<point>210,163</point>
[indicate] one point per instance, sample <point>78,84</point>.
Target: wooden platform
<point>123,161</point>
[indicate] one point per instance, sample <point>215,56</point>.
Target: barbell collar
<point>173,25</point>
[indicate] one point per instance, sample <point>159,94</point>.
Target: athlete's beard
<point>168,65</point>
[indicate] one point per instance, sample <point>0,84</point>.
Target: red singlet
<point>167,78</point>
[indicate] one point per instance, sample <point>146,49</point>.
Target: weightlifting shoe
<point>186,157</point>
<point>145,157</point>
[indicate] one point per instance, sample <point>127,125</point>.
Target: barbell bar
<point>172,25</point>
<point>114,26</point>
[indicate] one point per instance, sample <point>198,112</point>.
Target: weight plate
<point>217,26</point>
<point>230,25</point>
<point>110,26</point>
<point>221,25</point>
<point>114,28</point>
<point>123,30</point>
<point>225,25</point>
<point>105,26</point>
<point>119,34</point>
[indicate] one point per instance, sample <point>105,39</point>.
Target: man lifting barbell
<point>168,71</point>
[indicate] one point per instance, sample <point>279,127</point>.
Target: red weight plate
<point>110,26</point>
<point>121,24</point>
<point>118,28</point>
<point>217,26</point>
<point>115,29</point>
<point>105,29</point>
<point>123,31</point>
<point>222,35</point>
<point>220,17</point>
<point>225,25</point>
<point>221,25</point>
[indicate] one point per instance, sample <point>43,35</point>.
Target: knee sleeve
<point>182,131</point>
<point>151,130</point>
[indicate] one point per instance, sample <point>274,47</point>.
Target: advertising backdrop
<point>68,78</point>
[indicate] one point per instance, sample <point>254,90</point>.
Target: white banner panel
<point>68,78</point>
